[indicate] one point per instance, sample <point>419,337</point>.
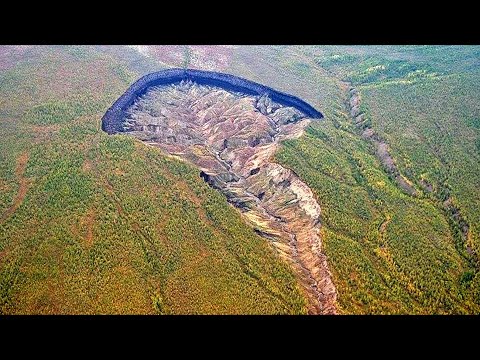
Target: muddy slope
<point>232,137</point>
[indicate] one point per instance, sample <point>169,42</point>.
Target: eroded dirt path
<point>22,189</point>
<point>232,139</point>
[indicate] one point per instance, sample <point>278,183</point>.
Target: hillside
<point>396,170</point>
<point>231,137</point>
<point>97,223</point>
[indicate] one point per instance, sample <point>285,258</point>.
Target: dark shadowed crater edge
<point>113,118</point>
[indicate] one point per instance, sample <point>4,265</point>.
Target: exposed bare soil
<point>232,139</point>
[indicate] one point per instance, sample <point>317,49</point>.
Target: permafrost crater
<point>231,133</point>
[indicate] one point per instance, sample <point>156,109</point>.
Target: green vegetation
<point>376,70</point>
<point>107,224</point>
<point>391,252</point>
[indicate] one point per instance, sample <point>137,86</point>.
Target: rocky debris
<point>265,105</point>
<point>426,185</point>
<point>385,158</point>
<point>405,185</point>
<point>232,137</point>
<point>359,119</point>
<point>368,133</point>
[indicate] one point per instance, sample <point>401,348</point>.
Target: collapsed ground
<point>232,138</point>
<point>98,224</point>
<point>69,238</point>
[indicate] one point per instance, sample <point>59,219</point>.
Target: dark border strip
<point>114,117</point>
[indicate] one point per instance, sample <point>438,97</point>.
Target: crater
<point>230,128</point>
<point>113,119</point>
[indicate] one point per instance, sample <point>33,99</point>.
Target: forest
<point>99,224</point>
<point>392,252</point>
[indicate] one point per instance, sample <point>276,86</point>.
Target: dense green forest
<point>91,223</point>
<point>392,252</point>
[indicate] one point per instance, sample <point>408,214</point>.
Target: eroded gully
<point>232,139</point>
<point>459,226</point>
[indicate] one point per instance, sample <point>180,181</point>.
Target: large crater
<point>231,133</point>
<point>112,120</point>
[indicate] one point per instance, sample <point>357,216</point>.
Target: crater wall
<point>113,118</point>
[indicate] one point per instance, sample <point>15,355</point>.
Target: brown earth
<point>232,139</point>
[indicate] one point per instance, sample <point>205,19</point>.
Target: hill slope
<point>98,224</point>
<point>395,164</point>
<point>396,170</point>
<point>92,223</point>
